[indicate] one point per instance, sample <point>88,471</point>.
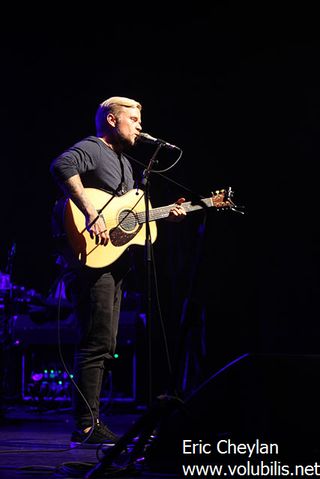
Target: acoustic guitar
<point>125,219</point>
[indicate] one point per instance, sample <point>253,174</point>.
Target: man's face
<point>128,125</point>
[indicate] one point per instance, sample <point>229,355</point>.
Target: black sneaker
<point>100,435</point>
<point>107,431</point>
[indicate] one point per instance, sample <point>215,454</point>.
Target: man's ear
<point>111,119</point>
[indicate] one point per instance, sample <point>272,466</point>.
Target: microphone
<point>146,138</point>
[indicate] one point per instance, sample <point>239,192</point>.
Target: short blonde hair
<point>113,105</point>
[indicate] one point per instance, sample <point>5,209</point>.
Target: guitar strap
<point>123,187</point>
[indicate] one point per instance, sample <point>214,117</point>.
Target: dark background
<point>237,88</point>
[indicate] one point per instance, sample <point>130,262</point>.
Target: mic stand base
<point>138,437</point>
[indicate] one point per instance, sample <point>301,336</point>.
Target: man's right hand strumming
<point>96,226</point>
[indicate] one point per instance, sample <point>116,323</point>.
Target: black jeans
<point>96,294</point>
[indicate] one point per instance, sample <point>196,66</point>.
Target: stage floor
<point>36,443</point>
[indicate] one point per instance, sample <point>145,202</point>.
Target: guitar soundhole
<point>127,220</point>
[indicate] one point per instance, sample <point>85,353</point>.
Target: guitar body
<point>122,216</point>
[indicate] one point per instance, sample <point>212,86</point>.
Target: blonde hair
<point>113,105</point>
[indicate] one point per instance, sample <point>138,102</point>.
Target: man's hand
<point>177,212</point>
<point>97,228</point>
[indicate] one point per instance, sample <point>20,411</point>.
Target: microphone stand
<point>164,404</point>
<point>148,263</point>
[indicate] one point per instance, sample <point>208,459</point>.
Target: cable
<point>159,173</point>
<point>66,367</point>
<point>164,336</point>
<point>40,468</point>
<point>156,171</point>
<point>78,469</point>
<point>169,167</point>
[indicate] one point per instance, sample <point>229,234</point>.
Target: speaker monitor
<point>256,397</point>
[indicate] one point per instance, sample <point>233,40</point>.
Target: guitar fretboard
<point>163,211</point>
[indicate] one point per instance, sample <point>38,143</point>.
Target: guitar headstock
<point>222,200</point>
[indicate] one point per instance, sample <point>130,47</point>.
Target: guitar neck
<point>164,211</point>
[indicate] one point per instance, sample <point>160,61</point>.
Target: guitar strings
<point>131,216</point>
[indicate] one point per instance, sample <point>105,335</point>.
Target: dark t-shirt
<point>97,165</point>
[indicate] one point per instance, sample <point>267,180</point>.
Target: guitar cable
<point>70,376</point>
<point>131,210</point>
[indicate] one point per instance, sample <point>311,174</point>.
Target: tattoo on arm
<point>74,188</point>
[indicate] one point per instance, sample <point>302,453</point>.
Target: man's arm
<point>74,188</point>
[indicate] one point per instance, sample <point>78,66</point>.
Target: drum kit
<point>22,298</point>
<point>19,304</point>
<point>15,299</point>
<point>29,337</point>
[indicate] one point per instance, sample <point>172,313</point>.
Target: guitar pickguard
<point>119,237</point>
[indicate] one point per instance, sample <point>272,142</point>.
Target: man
<point>98,162</point>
